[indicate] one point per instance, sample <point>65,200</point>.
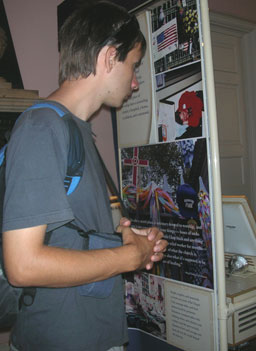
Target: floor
<point>4,337</point>
<point>249,346</point>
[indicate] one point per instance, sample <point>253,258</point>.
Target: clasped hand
<point>154,235</point>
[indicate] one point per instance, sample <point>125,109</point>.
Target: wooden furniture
<point>15,100</point>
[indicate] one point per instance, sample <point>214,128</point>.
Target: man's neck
<point>81,97</point>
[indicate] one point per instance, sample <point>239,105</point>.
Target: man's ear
<point>110,58</point>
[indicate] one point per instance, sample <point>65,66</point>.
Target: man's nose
<point>135,83</point>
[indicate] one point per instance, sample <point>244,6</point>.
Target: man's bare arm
<point>28,262</point>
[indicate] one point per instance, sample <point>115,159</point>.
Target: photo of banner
<point>175,34</point>
<point>165,40</point>
<point>172,192</point>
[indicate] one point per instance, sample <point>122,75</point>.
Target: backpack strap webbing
<point>76,155</point>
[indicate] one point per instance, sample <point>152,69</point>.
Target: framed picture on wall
<point>9,69</point>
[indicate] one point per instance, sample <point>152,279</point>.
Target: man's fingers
<point>154,233</point>
<point>158,256</point>
<point>143,232</point>
<point>149,266</point>
<point>161,246</point>
<point>119,229</point>
<point>155,258</point>
<point>125,222</point>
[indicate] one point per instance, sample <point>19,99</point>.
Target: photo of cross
<point>135,162</point>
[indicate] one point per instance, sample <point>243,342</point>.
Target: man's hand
<point>153,234</point>
<point>140,248</point>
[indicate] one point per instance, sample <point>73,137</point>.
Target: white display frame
<point>220,310</point>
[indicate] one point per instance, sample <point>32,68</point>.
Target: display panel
<point>166,177</point>
<point>239,226</point>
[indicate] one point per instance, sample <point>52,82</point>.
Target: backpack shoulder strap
<point>57,109</point>
<point>76,154</point>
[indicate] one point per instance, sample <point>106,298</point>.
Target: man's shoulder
<point>42,115</point>
<point>44,118</point>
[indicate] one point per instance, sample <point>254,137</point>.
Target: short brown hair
<point>88,30</point>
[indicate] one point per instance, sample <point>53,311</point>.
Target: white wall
<point>33,26</point>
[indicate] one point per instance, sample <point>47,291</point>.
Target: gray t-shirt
<point>60,319</point>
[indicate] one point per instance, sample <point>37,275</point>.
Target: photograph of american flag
<point>168,35</point>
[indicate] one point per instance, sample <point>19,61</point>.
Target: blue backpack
<point>11,298</point>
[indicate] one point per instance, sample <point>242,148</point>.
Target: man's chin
<point>119,104</point>
<point>116,105</point>
<point>126,98</point>
<point>123,102</point>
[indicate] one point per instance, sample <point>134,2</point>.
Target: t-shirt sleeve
<point>35,172</point>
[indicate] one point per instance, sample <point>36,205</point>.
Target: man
<point>101,46</point>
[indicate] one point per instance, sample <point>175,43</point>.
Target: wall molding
<point>246,31</point>
<point>249,71</point>
<point>17,100</point>
<point>228,24</point>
